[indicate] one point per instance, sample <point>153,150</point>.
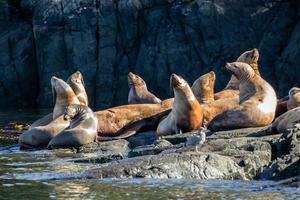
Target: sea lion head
<point>241,70</point>
<point>177,82</point>
<point>135,80</point>
<point>59,87</point>
<point>63,95</point>
<point>77,84</point>
<point>203,87</point>
<point>70,112</point>
<point>250,57</point>
<point>294,91</point>
<point>207,81</point>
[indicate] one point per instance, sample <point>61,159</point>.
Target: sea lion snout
<point>54,80</point>
<point>294,90</point>
<point>176,80</point>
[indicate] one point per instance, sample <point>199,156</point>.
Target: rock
<point>286,164</point>
<point>141,139</point>
<point>107,39</point>
<point>100,159</point>
<point>244,132</point>
<point>186,165</point>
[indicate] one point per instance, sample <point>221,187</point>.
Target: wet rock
<point>101,159</point>
<point>141,139</point>
<point>185,165</point>
<point>244,132</point>
<point>287,163</point>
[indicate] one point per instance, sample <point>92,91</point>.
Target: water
<point>46,174</point>
<point>49,174</point>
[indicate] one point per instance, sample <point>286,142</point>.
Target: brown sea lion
<point>203,88</point>
<point>290,119</point>
<point>77,84</point>
<point>257,101</point>
<point>186,114</point>
<point>124,121</point>
<point>232,89</point>
<point>138,92</point>
<point>39,136</point>
<point>82,129</point>
<point>294,98</point>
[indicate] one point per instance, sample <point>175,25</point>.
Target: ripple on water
<point>43,174</point>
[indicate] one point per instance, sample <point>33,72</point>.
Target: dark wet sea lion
<point>138,92</point>
<point>82,129</point>
<point>257,101</point>
<point>186,114</point>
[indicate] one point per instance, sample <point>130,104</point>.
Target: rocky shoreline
<point>252,153</point>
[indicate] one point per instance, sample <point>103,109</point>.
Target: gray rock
<point>185,165</point>
<point>106,39</point>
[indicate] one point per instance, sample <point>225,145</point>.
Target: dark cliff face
<point>105,39</point>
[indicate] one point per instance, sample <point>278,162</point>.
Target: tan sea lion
<point>257,101</point>
<point>39,136</point>
<point>294,98</point>
<point>232,89</point>
<point>203,88</point>
<point>186,114</point>
<point>138,92</point>
<point>290,119</point>
<point>82,129</point>
<point>77,84</point>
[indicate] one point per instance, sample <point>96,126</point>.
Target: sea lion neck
<point>255,67</point>
<point>183,94</point>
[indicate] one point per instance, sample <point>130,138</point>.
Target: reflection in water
<point>142,189</point>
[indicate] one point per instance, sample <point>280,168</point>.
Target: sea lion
<point>138,92</point>
<point>39,136</point>
<point>82,129</point>
<point>64,96</point>
<point>257,102</point>
<point>186,114</point>
<point>203,88</point>
<point>77,84</point>
<point>294,98</point>
<point>290,119</point>
<point>124,121</point>
<point>232,89</point>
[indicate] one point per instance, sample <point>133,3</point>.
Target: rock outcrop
<point>105,39</point>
